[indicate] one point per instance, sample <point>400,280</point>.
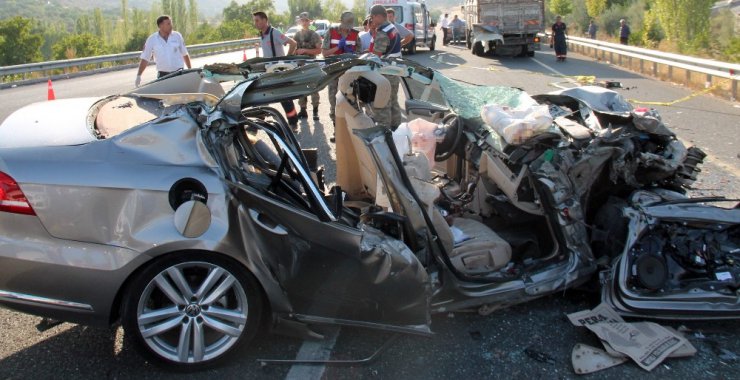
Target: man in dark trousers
<point>167,47</point>
<point>624,32</point>
<point>272,42</point>
<point>309,43</point>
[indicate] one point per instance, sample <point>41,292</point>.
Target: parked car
<point>194,217</point>
<point>321,27</point>
<point>292,31</point>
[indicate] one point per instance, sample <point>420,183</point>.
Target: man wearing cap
<point>340,40</point>
<point>272,42</point>
<point>308,43</point>
<point>387,44</point>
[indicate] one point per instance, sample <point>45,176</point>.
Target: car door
<point>328,269</point>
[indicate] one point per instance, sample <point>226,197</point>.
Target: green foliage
<point>136,42</point>
<point>578,19</point>
<point>561,7</point>
<point>732,52</point>
<point>295,7</point>
<point>359,8</point>
<point>333,10</point>
<point>19,44</point>
<point>595,7</point>
<point>79,46</point>
<point>685,22</point>
<point>651,33</point>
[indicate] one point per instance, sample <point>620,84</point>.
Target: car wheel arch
<point>116,309</point>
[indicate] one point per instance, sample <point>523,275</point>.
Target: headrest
<point>382,86</point>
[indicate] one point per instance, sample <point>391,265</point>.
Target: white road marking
<point>314,350</point>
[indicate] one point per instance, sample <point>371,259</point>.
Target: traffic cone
<point>50,91</point>
<point>244,57</point>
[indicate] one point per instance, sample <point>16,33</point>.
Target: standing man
<point>444,25</point>
<point>308,43</point>
<point>592,28</point>
<point>367,36</point>
<point>457,27</point>
<point>387,44</point>
<point>624,32</point>
<point>405,35</point>
<point>340,40</point>
<point>167,47</point>
<point>272,41</point>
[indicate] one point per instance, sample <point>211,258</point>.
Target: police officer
<point>309,43</point>
<point>387,44</point>
<point>340,40</point>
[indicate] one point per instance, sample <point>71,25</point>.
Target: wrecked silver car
<point>194,216</point>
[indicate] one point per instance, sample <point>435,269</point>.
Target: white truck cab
<point>413,16</point>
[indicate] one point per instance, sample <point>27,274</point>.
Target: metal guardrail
<point>28,68</point>
<point>708,67</point>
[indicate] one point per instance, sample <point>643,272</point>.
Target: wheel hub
<point>192,310</point>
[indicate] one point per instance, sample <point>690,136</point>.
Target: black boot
<point>303,114</point>
<point>316,113</point>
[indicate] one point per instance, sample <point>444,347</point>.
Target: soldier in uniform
<point>387,44</point>
<point>340,40</point>
<point>308,43</point>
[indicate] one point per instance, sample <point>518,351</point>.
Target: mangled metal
<point>481,221</point>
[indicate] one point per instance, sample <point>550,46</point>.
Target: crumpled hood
<point>51,123</point>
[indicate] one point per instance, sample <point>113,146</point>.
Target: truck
<point>503,27</point>
<point>415,17</point>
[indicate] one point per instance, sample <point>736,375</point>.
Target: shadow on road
<point>100,353</point>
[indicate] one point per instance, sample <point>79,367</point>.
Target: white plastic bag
<point>517,125</point>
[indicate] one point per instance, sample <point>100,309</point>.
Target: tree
<point>333,10</point>
<point>561,7</point>
<point>359,8</point>
<point>595,7</point>
<point>313,7</point>
<point>192,15</point>
<point>685,22</point>
<point>78,46</point>
<point>124,16</point>
<point>19,44</point>
<point>136,42</point>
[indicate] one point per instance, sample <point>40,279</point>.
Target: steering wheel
<point>449,145</point>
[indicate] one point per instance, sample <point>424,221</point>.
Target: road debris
<point>587,359</point>
<point>647,343</point>
<point>539,355</point>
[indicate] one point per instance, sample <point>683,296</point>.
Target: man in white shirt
<point>445,25</point>
<point>406,35</point>
<point>272,42</point>
<point>167,47</point>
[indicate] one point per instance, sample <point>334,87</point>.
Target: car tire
<point>478,49</point>
<point>412,47</point>
<point>190,311</point>
<point>530,53</point>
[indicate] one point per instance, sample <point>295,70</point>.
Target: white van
<point>414,17</point>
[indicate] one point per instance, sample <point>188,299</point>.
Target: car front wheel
<point>190,310</point>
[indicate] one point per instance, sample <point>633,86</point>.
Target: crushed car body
<point>196,215</point>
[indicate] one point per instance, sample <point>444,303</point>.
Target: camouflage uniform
<point>333,85</point>
<point>390,115</point>
<point>307,39</point>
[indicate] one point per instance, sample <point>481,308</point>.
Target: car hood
<point>52,123</point>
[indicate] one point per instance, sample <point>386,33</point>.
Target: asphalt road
<point>465,344</point>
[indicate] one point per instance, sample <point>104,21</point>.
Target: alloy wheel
<point>192,312</point>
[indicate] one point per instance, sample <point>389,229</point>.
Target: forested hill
<point>51,10</point>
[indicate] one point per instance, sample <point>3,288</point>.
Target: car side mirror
<point>192,218</point>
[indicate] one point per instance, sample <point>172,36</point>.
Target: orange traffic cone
<point>50,91</point>
<point>244,57</point>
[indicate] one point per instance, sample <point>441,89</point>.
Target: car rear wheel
<point>478,49</point>
<point>190,311</point>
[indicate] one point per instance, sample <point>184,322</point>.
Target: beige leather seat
<point>356,172</point>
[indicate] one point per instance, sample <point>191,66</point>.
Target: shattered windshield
<point>467,99</point>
